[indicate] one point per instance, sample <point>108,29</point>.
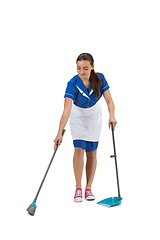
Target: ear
<point>92,66</point>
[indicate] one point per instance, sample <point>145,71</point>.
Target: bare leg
<point>78,164</point>
<point>91,167</point>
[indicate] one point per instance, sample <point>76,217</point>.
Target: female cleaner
<point>81,105</point>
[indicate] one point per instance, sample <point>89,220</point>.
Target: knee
<point>79,151</point>
<point>91,155</point>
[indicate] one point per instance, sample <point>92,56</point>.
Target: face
<point>84,69</point>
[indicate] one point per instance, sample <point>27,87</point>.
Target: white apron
<point>86,123</point>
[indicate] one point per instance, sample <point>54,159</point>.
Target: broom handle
<point>115,156</point>
<point>48,169</point>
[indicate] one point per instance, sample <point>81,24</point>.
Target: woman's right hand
<point>57,140</point>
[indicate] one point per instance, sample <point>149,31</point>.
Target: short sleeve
<point>70,90</point>
<point>104,86</point>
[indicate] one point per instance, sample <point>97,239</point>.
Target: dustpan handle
<point>115,156</point>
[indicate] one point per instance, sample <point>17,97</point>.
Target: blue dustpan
<point>110,202</point>
<point>113,201</point>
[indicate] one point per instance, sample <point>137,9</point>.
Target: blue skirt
<point>86,145</point>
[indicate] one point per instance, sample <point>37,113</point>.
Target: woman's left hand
<point>112,120</point>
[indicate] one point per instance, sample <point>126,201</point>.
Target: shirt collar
<point>82,87</point>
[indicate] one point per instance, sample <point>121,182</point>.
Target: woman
<point>82,106</point>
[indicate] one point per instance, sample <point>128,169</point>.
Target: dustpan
<point>113,201</point>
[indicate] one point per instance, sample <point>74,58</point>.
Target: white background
<point>39,44</point>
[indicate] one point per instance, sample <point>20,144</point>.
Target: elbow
<point>67,112</point>
<point>110,102</point>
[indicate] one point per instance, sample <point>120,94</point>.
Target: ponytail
<point>96,83</point>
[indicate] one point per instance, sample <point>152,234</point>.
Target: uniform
<point>86,115</point>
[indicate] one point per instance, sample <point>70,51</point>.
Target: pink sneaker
<point>78,195</point>
<point>88,195</point>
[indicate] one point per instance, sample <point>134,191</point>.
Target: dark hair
<point>96,83</point>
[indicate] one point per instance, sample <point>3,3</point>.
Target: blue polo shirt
<point>77,91</point>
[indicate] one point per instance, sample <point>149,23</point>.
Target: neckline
<point>85,85</point>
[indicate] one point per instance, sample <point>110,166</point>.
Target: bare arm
<point>111,108</point>
<point>64,120</point>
